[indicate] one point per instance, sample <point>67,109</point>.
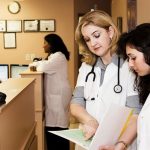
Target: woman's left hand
<point>105,147</point>
<point>89,128</point>
<point>118,146</point>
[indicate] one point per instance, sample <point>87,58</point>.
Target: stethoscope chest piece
<point>117,88</point>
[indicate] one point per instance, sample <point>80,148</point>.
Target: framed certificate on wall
<point>47,25</point>
<point>30,25</point>
<point>2,25</point>
<point>9,40</point>
<point>14,25</point>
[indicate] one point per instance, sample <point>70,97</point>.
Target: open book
<point>111,127</point>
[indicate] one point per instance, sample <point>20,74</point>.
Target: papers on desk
<point>74,135</point>
<point>111,127</point>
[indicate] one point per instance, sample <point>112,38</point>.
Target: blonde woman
<point>98,84</point>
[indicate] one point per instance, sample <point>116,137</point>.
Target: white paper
<point>111,126</point>
<point>74,135</point>
<point>107,133</point>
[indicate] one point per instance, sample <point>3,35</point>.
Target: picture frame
<point>31,25</point>
<point>47,25</point>
<point>9,40</point>
<point>2,25</point>
<point>14,25</point>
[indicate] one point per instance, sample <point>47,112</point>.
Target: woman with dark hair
<point>56,44</point>
<point>57,90</point>
<point>135,46</point>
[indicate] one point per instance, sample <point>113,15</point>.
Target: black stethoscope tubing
<point>90,73</point>
<point>117,87</point>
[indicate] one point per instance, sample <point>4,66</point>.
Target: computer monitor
<point>16,69</point>
<point>4,72</point>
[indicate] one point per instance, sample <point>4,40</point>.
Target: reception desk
<point>17,117</point>
<point>39,105</point>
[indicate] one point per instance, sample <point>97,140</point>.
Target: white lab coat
<point>143,137</point>
<point>57,90</point>
<point>104,95</point>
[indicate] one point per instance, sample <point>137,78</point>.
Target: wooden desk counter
<point>17,118</point>
<point>38,76</point>
<point>39,104</point>
<point>12,88</point>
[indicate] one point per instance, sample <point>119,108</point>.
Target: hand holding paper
<point>110,129</point>
<point>89,128</point>
<point>74,135</point>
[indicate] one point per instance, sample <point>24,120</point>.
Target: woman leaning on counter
<point>57,90</point>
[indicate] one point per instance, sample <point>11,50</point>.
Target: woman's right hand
<point>32,68</point>
<point>89,128</point>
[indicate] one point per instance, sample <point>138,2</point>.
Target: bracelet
<point>124,143</point>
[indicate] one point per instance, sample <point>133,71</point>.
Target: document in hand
<point>111,127</point>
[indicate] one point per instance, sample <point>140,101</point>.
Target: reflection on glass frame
<point>4,72</point>
<point>16,69</point>
<point>80,16</point>
<point>47,25</point>
<point>30,25</point>
<point>119,23</point>
<point>14,25</point>
<point>2,25</point>
<point>9,40</point>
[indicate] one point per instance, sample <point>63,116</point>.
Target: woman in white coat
<point>57,90</point>
<point>97,36</point>
<point>136,46</point>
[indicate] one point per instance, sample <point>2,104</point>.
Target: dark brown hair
<point>139,38</point>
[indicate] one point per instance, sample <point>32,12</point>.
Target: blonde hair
<point>100,19</point>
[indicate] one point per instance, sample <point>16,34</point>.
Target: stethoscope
<point>117,87</point>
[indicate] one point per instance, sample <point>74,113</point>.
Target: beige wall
<point>119,9</point>
<point>66,16</point>
<point>32,43</point>
<point>65,12</point>
<point>143,11</point>
<point>81,7</point>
